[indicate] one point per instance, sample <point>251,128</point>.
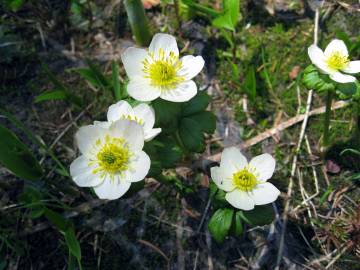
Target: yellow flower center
<point>244,180</point>
<point>133,118</point>
<point>113,156</point>
<point>337,61</point>
<point>163,70</point>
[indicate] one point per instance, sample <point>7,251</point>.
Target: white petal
<point>86,137</point>
<point>140,89</point>
<point>103,124</point>
<point>152,133</point>
<point>317,57</point>
<point>232,161</point>
<point>183,92</point>
<point>112,189</point>
<point>129,130</point>
<point>265,193</point>
<point>353,67</point>
<point>336,45</point>
<point>147,114</point>
<point>82,173</point>
<point>119,110</point>
<point>191,66</point>
<point>132,59</point>
<point>165,42</point>
<point>264,166</point>
<point>219,179</point>
<point>139,167</point>
<point>342,78</point>
<point>240,199</point>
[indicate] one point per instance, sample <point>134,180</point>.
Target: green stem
<point>326,132</point>
<point>138,21</point>
<point>177,12</point>
<point>357,121</point>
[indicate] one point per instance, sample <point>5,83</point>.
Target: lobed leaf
<point>220,223</point>
<point>314,80</point>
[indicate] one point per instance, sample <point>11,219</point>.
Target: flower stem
<point>138,21</point>
<point>326,132</point>
<point>357,120</point>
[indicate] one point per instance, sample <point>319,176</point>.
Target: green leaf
<point>234,67</point>
<point>355,176</point>
<point>206,121</point>
<point>16,157</point>
<point>346,90</point>
<point>61,92</point>
<point>166,113</point>
<point>116,82</point>
<point>33,138</point>
<point>169,153</point>
<point>191,135</point>
<point>31,198</point>
<point>14,5</point>
<point>220,223</point>
<point>196,104</point>
<point>94,76</point>
<point>217,196</point>
<point>260,215</point>
<point>58,84</point>
<point>201,8</point>
<point>51,95</point>
<point>163,152</point>
<point>237,226</point>
<point>37,211</point>
<point>233,7</point>
<point>314,80</point>
<point>228,19</point>
<point>72,243</point>
<point>57,220</point>
<point>250,83</point>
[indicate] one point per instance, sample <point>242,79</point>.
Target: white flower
<point>158,72</point>
<point>245,183</point>
<point>334,59</point>
<point>112,158</point>
<point>143,114</point>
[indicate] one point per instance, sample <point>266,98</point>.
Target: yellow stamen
<point>244,180</point>
<point>113,157</point>
<point>133,118</point>
<point>162,71</point>
<point>337,61</point>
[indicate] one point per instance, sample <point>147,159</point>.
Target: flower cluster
<point>111,152</point>
<point>112,156</point>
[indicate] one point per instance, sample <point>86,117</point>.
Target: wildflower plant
<point>242,193</point>
<point>127,148</point>
<point>334,73</point>
<point>160,119</point>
